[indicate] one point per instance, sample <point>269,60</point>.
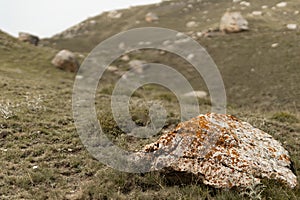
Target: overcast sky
<point>48,17</point>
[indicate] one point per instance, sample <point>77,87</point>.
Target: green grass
<point>37,127</point>
<point>285,117</point>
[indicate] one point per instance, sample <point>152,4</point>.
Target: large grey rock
<point>224,152</point>
<point>31,39</point>
<point>232,22</point>
<point>66,60</point>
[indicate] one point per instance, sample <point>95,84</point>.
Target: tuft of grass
<point>285,117</point>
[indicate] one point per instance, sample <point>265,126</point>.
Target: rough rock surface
<point>31,39</point>
<point>66,60</point>
<point>233,22</point>
<point>224,151</point>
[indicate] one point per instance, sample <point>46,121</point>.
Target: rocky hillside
<point>260,67</point>
<point>20,59</point>
<point>41,154</point>
<point>178,15</point>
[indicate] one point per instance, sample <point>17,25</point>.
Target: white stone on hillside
<point>291,26</point>
<point>281,4</point>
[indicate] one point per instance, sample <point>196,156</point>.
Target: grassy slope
<point>272,84</point>
<point>38,128</point>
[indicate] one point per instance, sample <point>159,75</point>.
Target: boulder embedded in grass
<point>224,152</point>
<point>66,60</point>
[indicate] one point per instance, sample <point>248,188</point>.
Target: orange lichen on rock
<point>224,151</point>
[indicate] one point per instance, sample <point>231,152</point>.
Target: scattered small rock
<point>35,167</point>
<point>81,55</point>
<point>191,24</point>
<point>125,58</point>
<point>232,22</point>
<point>185,9</point>
<point>137,66</point>
<point>151,17</point>
<point>114,14</point>
<point>31,39</point>
<point>167,42</point>
<point>77,30</point>
<point>66,60</point>
<point>296,12</point>
<point>162,52</point>
<point>264,7</point>
<point>190,56</point>
<point>112,68</point>
<point>291,26</point>
<point>257,13</point>
<point>274,45</point>
<point>122,46</point>
<point>145,43</point>
<point>245,3</point>
<point>190,6</point>
<point>79,77</point>
<point>179,34</point>
<point>198,94</point>
<point>73,195</point>
<point>199,34</point>
<point>181,41</point>
<point>281,4</point>
<point>93,22</point>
